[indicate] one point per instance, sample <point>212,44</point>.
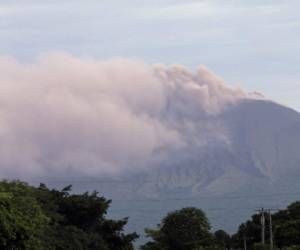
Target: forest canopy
<point>39,218</point>
<point>48,219</point>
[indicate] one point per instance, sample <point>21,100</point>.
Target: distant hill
<point>263,148</point>
<point>152,138</point>
<point>258,165</point>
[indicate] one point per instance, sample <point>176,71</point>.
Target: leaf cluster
<point>49,219</point>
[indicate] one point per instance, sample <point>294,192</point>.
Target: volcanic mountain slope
<point>150,137</point>
<point>262,152</point>
<point>259,167</point>
<point>265,145</point>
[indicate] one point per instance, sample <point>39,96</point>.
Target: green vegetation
<point>185,229</point>
<point>188,229</point>
<point>39,218</point>
<point>286,230</point>
<point>42,219</point>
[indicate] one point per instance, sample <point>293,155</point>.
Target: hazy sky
<point>254,44</point>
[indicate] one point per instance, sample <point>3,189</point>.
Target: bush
<point>259,246</point>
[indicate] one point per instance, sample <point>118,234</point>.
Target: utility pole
<point>262,221</point>
<point>271,229</point>
<point>245,242</point>
<point>262,212</point>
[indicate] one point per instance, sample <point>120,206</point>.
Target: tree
<point>184,229</point>
<point>22,222</point>
<point>251,230</point>
<point>222,239</point>
<point>260,246</point>
<point>286,229</point>
<point>287,226</point>
<point>292,248</point>
<point>43,219</point>
<point>78,221</point>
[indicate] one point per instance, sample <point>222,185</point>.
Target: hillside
<point>258,166</point>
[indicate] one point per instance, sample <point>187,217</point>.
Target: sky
<point>252,44</point>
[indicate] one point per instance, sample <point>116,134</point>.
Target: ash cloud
<point>63,115</point>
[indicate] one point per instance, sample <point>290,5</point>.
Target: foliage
<point>292,248</point>
<point>48,219</point>
<point>260,246</point>
<point>184,229</point>
<point>222,239</point>
<point>249,231</point>
<point>285,224</point>
<point>22,222</point>
<point>40,218</point>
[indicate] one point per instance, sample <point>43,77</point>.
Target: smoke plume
<point>63,115</point>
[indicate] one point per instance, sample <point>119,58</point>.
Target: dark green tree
<point>260,246</point>
<point>251,230</point>
<point>82,215</point>
<point>286,229</point>
<point>22,221</point>
<point>222,239</point>
<point>40,218</point>
<point>287,226</point>
<point>184,229</point>
<point>292,248</point>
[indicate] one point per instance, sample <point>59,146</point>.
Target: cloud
<point>63,115</point>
